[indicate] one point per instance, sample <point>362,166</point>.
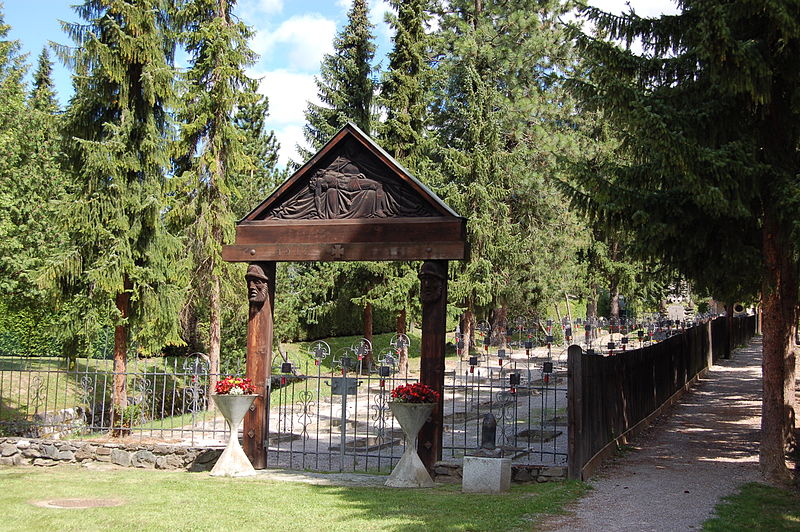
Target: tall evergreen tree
<point>498,124</point>
<point>709,121</point>
<point>404,91</point>
<point>43,96</point>
<point>211,146</point>
<point>255,182</point>
<point>121,263</point>
<point>404,98</point>
<point>345,86</point>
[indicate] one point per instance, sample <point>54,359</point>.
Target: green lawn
<point>177,501</point>
<point>757,507</point>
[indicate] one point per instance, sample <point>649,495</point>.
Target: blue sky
<point>291,38</point>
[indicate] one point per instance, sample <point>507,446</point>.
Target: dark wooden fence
<point>611,397</point>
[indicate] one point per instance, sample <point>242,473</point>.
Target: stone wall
<point>452,472</point>
<point>39,452</point>
<point>46,452</point>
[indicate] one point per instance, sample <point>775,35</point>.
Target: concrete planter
<point>410,471</point>
<point>233,462</point>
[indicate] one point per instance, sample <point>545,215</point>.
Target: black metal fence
<point>324,416</point>
<point>57,398</point>
<point>339,420</point>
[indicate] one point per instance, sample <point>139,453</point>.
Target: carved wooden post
<point>433,294</point>
<point>261,296</point>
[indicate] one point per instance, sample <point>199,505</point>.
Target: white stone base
<point>486,475</point>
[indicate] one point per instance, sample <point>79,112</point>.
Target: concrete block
<point>486,475</point>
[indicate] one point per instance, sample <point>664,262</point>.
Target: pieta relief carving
<point>350,186</point>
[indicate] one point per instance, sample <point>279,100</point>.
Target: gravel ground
<point>703,449</point>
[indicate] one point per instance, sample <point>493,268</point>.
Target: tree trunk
<point>500,325</point>
<point>569,309</point>
<point>780,317</point>
<point>400,328</point>
<point>120,396</point>
<point>729,328</point>
<point>214,331</point>
<point>591,303</point>
<point>468,329</point>
<point>613,291</point>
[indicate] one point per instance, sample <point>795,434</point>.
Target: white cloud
<point>289,94</point>
<point>643,8</point>
<point>304,39</point>
<point>252,8</point>
<point>378,10</point>
<point>289,137</point>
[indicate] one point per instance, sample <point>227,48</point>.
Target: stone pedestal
<point>410,472</point>
<point>233,462</point>
<point>486,475</point>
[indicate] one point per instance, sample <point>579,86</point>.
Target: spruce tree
<point>709,122</point>
<point>345,86</point>
<point>255,182</point>
<point>211,147</point>
<point>404,91</point>
<point>121,266</point>
<point>404,98</point>
<point>499,121</point>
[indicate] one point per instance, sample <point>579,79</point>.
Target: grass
<point>178,501</point>
<point>757,507</point>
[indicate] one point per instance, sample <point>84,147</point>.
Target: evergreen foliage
<point>121,266</point>
<point>252,185</point>
<point>211,148</point>
<point>499,122</point>
<point>709,126</point>
<point>345,87</point>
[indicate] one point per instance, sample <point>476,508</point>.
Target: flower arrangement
<point>235,386</point>
<point>414,393</point>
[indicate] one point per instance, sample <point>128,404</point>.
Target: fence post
<point>575,458</point>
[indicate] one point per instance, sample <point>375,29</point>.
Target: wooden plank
<point>389,230</point>
<point>575,433</point>
<point>343,251</point>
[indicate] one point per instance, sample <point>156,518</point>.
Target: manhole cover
<point>77,503</point>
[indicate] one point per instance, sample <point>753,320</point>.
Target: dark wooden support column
<point>433,294</point>
<point>261,296</point>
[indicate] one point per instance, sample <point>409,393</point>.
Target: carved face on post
<point>431,279</point>
<point>257,286</point>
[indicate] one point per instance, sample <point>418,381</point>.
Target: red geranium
<point>415,393</point>
<point>235,386</point>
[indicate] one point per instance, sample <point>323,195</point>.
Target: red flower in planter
<point>235,386</point>
<point>415,393</point>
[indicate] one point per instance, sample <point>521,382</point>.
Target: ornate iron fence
<point>56,398</point>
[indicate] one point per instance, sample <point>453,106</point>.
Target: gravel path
<point>703,449</point>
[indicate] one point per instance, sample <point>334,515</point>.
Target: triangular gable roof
<point>351,201</point>
<point>373,162</point>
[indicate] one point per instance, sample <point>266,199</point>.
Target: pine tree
<point>404,91</point>
<point>256,182</point>
<point>404,98</point>
<point>499,121</point>
<point>709,122</point>
<point>345,86</point>
<point>211,147</point>
<point>13,211</point>
<point>122,265</point>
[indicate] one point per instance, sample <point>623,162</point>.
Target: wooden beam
<point>433,295</point>
<point>345,251</point>
<point>259,370</point>
<point>405,230</point>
